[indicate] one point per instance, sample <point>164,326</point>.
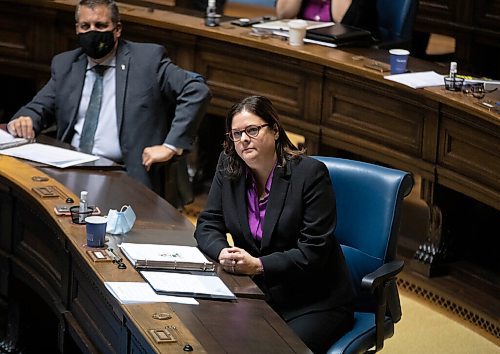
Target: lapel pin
<point>123,66</point>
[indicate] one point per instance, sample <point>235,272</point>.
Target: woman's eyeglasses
<point>252,131</point>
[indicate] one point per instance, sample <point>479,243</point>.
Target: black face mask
<point>97,44</point>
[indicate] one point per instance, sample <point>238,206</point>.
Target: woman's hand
<point>237,260</point>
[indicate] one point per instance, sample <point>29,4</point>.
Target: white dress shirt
<point>106,140</point>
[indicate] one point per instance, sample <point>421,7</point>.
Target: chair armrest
<point>380,276</point>
<point>382,282</point>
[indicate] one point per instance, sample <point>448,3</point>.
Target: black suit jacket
<point>156,101</point>
<point>363,14</point>
<point>304,268</point>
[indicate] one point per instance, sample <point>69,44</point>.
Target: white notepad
<point>8,141</point>
<point>49,155</point>
<point>282,25</point>
<point>137,292</point>
<point>186,284</point>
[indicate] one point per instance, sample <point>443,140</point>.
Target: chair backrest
<point>396,19</point>
<point>368,199</point>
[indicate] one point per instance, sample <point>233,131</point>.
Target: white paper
<point>306,40</point>
<point>135,292</point>
<point>282,25</point>
<point>184,283</point>
<point>162,253</point>
<point>8,141</point>
<point>418,80</point>
<point>49,155</point>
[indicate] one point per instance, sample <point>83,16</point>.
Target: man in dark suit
<point>148,111</point>
<point>278,205</point>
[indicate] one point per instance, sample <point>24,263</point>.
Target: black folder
<point>342,35</point>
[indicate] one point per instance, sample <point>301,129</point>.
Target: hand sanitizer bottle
<point>453,74</point>
<point>83,206</point>
<point>211,18</point>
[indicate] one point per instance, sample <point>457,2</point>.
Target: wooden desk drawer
<point>468,156</point>
<point>368,116</point>
<point>234,73</point>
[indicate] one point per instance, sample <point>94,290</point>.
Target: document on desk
<point>138,292</point>
<point>9,141</point>
<point>285,34</point>
<point>208,286</point>
<point>282,25</point>
<point>49,155</point>
<point>418,80</point>
<point>167,257</point>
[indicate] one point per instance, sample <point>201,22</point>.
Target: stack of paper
<point>49,155</point>
<point>135,292</point>
<point>185,284</point>
<point>282,25</point>
<point>8,141</point>
<point>418,80</point>
<point>187,271</point>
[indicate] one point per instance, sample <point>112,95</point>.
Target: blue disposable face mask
<point>120,222</point>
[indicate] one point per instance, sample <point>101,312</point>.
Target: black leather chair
<point>368,199</point>
<point>396,20</point>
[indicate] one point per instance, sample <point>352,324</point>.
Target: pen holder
<point>453,83</point>
<point>77,216</point>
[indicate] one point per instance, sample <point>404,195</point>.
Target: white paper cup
<point>297,32</point>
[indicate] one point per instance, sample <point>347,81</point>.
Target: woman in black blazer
<point>278,205</point>
<point>357,13</point>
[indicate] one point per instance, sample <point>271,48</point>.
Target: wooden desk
<point>341,107</point>
<point>47,254</point>
<point>475,25</point>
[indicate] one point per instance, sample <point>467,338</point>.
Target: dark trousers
<point>319,330</point>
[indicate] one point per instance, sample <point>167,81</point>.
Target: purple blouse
<point>256,209</point>
<point>317,10</point>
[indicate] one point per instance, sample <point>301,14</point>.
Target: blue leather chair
<point>396,19</point>
<point>368,199</point>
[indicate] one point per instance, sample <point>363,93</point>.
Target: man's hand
<point>157,153</point>
<point>21,127</point>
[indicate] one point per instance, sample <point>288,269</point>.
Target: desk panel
<point>468,158</point>
<point>265,332</point>
<point>384,123</point>
<point>234,72</point>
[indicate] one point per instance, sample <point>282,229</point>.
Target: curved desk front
<point>47,254</point>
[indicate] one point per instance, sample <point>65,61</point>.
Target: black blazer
<point>304,268</point>
<point>363,14</point>
<point>156,101</point>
